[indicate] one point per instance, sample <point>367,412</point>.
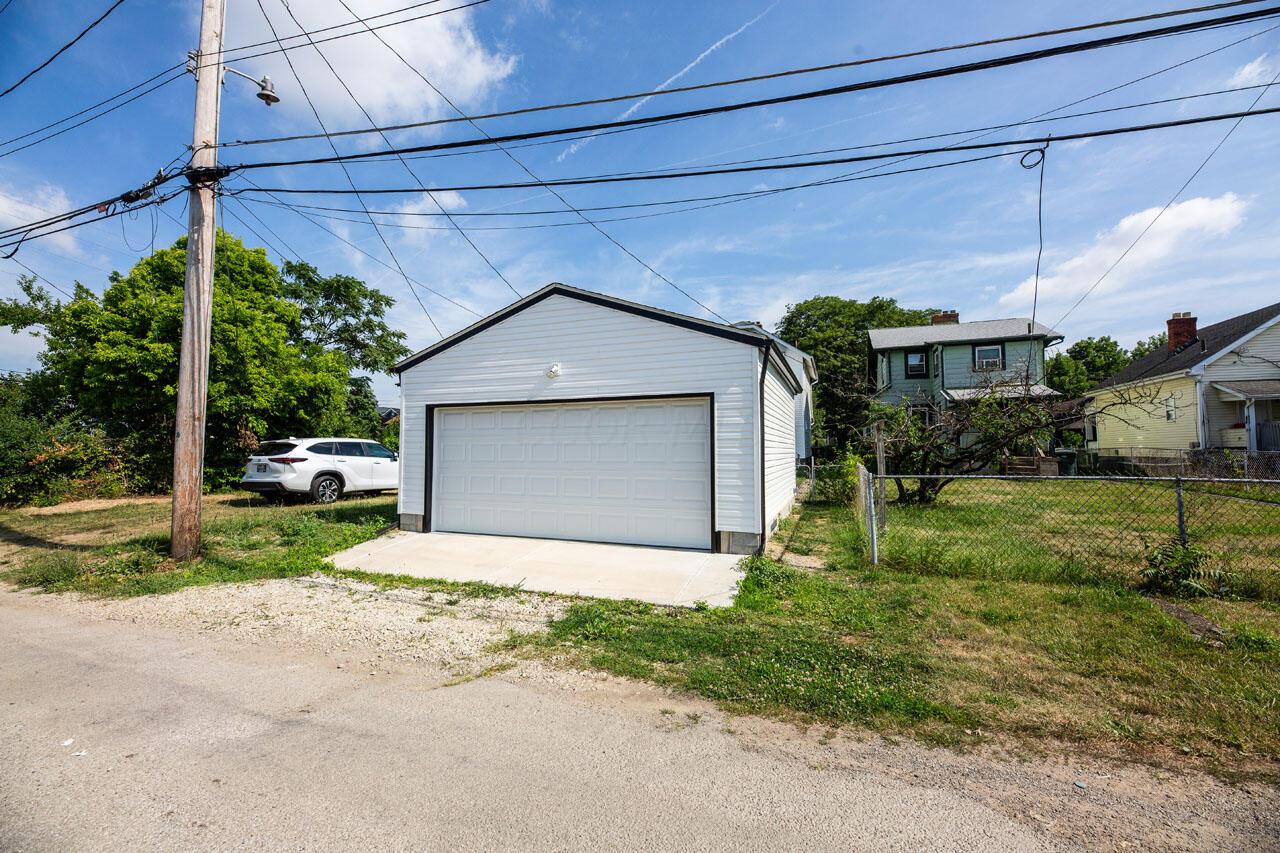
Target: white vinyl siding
<point>779,446</point>
<point>1256,358</point>
<point>802,402</point>
<point>602,353</point>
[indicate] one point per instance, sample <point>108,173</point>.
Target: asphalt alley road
<point>186,743</point>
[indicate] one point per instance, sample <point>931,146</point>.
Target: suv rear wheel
<point>326,489</point>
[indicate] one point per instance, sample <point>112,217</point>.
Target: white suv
<point>325,468</point>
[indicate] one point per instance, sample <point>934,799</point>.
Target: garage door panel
<point>612,451</point>
<point>611,487</point>
<point>546,487</point>
<point>636,472</point>
<point>576,451</point>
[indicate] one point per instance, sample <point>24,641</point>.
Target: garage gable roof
<point>733,333</point>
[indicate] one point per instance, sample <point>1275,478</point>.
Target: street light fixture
<point>266,89</point>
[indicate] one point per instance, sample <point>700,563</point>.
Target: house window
<point>988,357</point>
<point>917,364</point>
<point>1170,410</point>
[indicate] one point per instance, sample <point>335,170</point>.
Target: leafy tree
<point>391,434</point>
<point>960,439</point>
<point>1100,357</point>
<point>341,312</point>
<point>362,409</point>
<point>113,360</point>
<point>1066,376</point>
<point>834,331</point>
<point>1150,345</point>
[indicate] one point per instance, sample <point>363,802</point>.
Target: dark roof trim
<point>1049,340</point>
<point>556,289</point>
<point>776,356</point>
<point>1210,342</point>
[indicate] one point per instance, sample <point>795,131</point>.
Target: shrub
<point>838,483</point>
<point>45,459</point>
<point>1180,569</point>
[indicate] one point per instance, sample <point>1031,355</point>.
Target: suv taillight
<point>288,460</point>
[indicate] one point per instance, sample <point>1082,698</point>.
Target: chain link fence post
<point>880,472</point>
<point>1182,515</point>
<point>873,520</point>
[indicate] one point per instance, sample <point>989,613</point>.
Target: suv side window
<point>324,448</point>
<point>377,451</point>
<point>349,448</point>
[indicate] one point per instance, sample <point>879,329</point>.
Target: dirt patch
<point>1204,630</point>
<point>93,504</point>
<point>342,617</point>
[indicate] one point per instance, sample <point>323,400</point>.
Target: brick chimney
<point>1182,330</point>
<point>945,318</point>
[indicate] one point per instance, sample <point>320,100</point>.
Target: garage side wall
<point>602,352</point>
<point>779,447</point>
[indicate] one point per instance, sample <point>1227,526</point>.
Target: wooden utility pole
<point>197,293</point>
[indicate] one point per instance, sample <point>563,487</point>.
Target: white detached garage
<point>574,415</point>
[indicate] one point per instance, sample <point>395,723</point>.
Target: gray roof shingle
<point>978,330</point>
<point>1209,341</point>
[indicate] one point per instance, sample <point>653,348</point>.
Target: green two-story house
<point>949,362</point>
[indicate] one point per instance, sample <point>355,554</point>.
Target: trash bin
<point>1066,461</point>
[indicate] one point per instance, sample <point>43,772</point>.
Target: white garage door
<point>636,472</point>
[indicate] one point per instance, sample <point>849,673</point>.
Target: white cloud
<point>631,110</point>
<point>20,205</point>
<point>445,48</point>
<point>1261,70</point>
<point>1177,236</point>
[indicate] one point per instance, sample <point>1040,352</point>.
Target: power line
<point>943,135</point>
<point>181,67</point>
<point>530,173</point>
<point>83,122</point>
<point>62,49</point>
<point>806,164</point>
<point>739,196</point>
<point>23,233</point>
<point>407,167</point>
<point>356,247</point>
<point>282,49</point>
<point>271,231</point>
<point>1167,205</point>
<point>981,131</point>
<point>263,240</point>
<point>42,278</point>
<point>771,76</point>
<point>1077,101</point>
<point>386,245</point>
<point>932,74</point>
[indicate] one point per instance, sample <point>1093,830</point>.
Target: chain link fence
<point>1207,464</point>
<point>1073,528</point>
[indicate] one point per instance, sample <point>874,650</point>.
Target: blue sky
<point>962,237</point>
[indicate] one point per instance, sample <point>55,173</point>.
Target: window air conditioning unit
<point>989,364</point>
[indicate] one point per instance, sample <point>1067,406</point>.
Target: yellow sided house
<point>1216,387</point>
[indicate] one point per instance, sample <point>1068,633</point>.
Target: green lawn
<point>1081,531</point>
<point>120,547</point>
<point>954,658</point>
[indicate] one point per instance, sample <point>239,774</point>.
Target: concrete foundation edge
<point>732,542</point>
<point>411,522</point>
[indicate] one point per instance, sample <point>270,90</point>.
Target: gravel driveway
<point>319,714</point>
